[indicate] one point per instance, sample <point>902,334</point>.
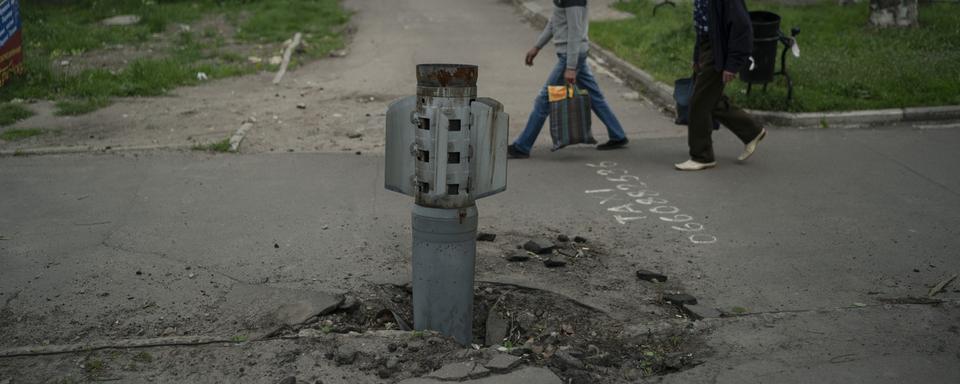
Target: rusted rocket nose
<point>447,75</point>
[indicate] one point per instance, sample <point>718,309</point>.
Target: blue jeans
<point>541,106</point>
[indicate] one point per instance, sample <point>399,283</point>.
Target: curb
<point>73,150</point>
<point>662,94</point>
<point>238,136</point>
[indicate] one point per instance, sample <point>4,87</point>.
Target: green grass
<point>143,357</point>
<point>12,113</point>
<point>844,64</point>
<point>220,146</point>
<point>20,134</point>
<point>58,30</point>
<point>94,366</point>
<point>238,338</point>
<point>81,106</point>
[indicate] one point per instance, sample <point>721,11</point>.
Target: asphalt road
<point>818,220</point>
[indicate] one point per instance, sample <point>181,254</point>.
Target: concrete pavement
<point>822,223</point>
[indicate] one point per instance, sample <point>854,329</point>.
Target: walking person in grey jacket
<point>568,28</point>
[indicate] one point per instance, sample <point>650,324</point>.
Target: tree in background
<point>893,13</point>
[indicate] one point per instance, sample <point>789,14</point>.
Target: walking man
<point>723,48</point>
<point>568,27</point>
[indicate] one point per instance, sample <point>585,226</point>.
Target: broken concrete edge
<point>528,375</point>
<point>90,149</point>
<point>112,344</point>
<point>182,341</point>
<point>700,311</point>
<point>662,94</point>
<point>239,135</point>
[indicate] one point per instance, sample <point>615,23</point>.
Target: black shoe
<point>514,153</point>
<point>613,144</point>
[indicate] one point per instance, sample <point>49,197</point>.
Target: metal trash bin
<point>766,36</point>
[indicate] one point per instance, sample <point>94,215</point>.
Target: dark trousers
<point>708,103</point>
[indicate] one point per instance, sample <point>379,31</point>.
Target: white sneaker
<point>691,165</point>
<point>752,146</point>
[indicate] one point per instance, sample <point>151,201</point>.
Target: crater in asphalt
<point>577,342</point>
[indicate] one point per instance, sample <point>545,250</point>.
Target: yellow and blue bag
<point>570,117</point>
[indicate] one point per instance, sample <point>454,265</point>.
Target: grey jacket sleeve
<point>576,26</point>
<point>545,35</point>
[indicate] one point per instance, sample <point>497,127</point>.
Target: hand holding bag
<point>570,116</point>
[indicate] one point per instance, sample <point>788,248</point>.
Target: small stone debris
<point>349,303</point>
<point>674,360</point>
<point>579,239</point>
<point>288,380</point>
<point>121,20</point>
<point>679,299</point>
<point>555,261</point>
<point>392,347</point>
<point>563,238</point>
<point>302,106</point>
<point>497,327</point>
<point>631,96</point>
<point>392,363</point>
<point>651,276</point>
<point>700,312</point>
<point>483,236</point>
<point>276,60</point>
<point>518,256</point>
<point>941,286</point>
<point>459,372</point>
<point>139,272</point>
<point>358,153</point>
<point>354,135</point>
<point>345,356</point>
<point>276,246</point>
<point>503,362</point>
<point>255,60</point>
<point>567,359</point>
<point>539,246</point>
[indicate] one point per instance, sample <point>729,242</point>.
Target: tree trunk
<point>893,13</point>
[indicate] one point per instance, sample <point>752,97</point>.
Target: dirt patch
<point>575,341</point>
<point>619,332</point>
